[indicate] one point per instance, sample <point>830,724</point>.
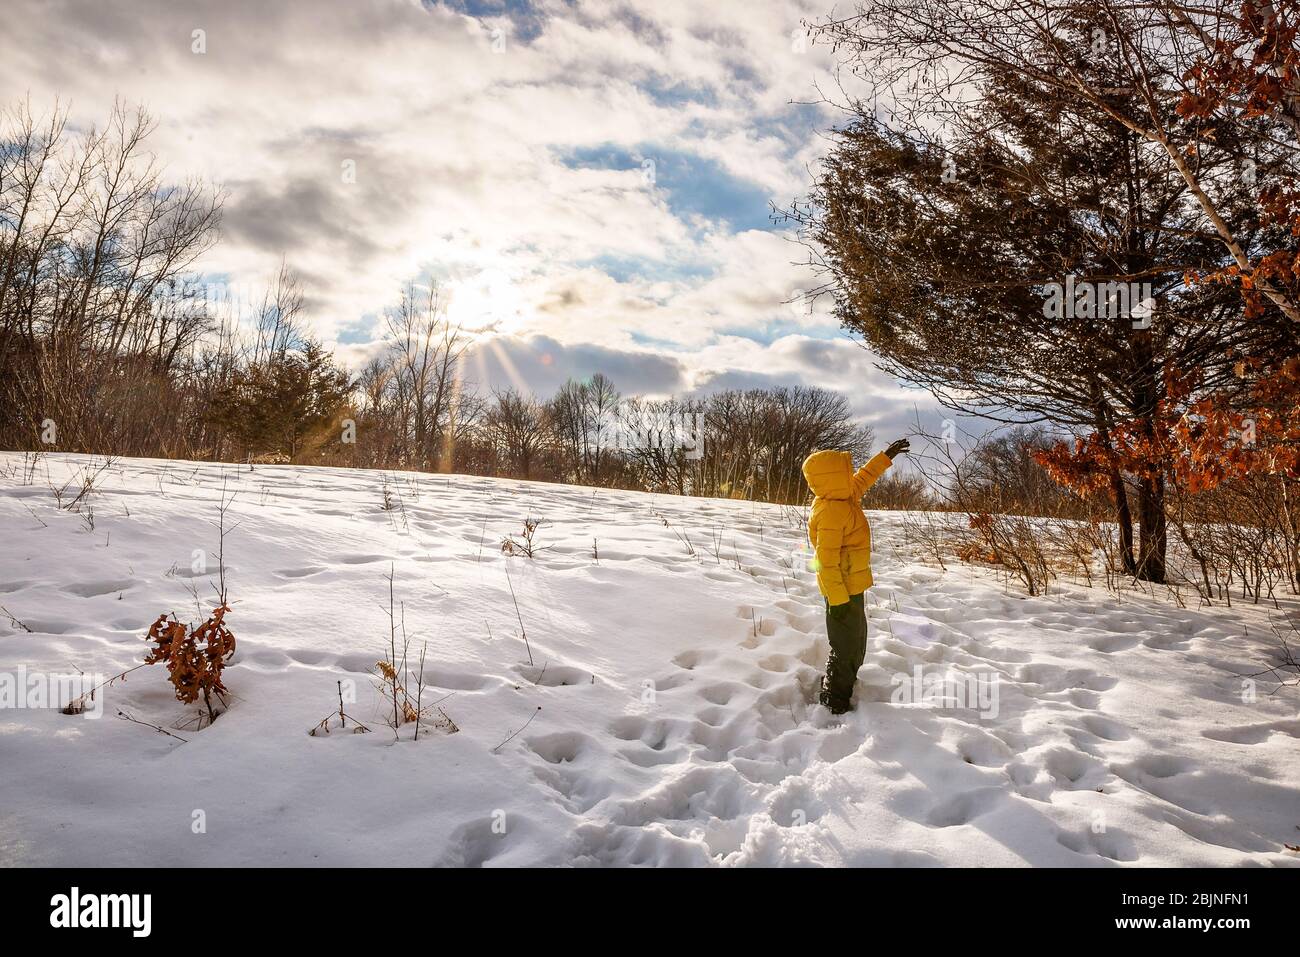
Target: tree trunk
<point>1151,515</point>
<point>1151,486</point>
<point>1123,519</point>
<point>1123,515</point>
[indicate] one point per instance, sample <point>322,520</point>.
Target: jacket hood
<point>829,473</point>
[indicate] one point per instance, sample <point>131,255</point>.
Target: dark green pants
<point>846,626</point>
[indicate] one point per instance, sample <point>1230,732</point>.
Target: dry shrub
<point>930,533</point>
<point>973,551</point>
<point>408,707</point>
<point>524,543</point>
<point>392,675</point>
<point>391,684</point>
<point>195,657</point>
<point>1013,542</point>
<point>323,726</point>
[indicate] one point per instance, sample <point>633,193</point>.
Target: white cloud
<point>460,160</point>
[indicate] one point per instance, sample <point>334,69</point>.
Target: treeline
<point>109,344</point>
<point>734,443</point>
<point>413,407</point>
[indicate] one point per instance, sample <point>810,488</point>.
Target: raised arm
<point>869,474</point>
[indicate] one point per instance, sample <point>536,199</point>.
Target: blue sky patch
<point>527,20</point>
<point>630,268</point>
<point>692,185</point>
<point>360,330</point>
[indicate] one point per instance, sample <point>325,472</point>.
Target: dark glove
<point>897,448</point>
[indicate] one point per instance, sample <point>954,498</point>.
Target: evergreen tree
<point>285,404</point>
<point>943,253</point>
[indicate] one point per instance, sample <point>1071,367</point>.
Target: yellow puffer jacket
<point>837,529</point>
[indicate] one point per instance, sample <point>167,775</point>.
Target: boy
<point>841,539</point>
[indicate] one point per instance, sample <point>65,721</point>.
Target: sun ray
<point>512,373</point>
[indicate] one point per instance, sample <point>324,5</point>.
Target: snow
<point>675,724</point>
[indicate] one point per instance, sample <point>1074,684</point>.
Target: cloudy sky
<point>590,180</point>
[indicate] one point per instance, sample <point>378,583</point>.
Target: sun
<point>485,304</point>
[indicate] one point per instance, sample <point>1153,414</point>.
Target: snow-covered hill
<point>675,644</point>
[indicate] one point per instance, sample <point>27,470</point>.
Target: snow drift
<point>675,644</point>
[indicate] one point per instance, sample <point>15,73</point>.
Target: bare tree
<point>756,439</point>
<point>583,416</point>
<point>278,320</point>
<point>515,426</point>
<point>424,356</point>
<point>98,305</point>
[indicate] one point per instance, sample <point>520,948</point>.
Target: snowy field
<point>675,724</point>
